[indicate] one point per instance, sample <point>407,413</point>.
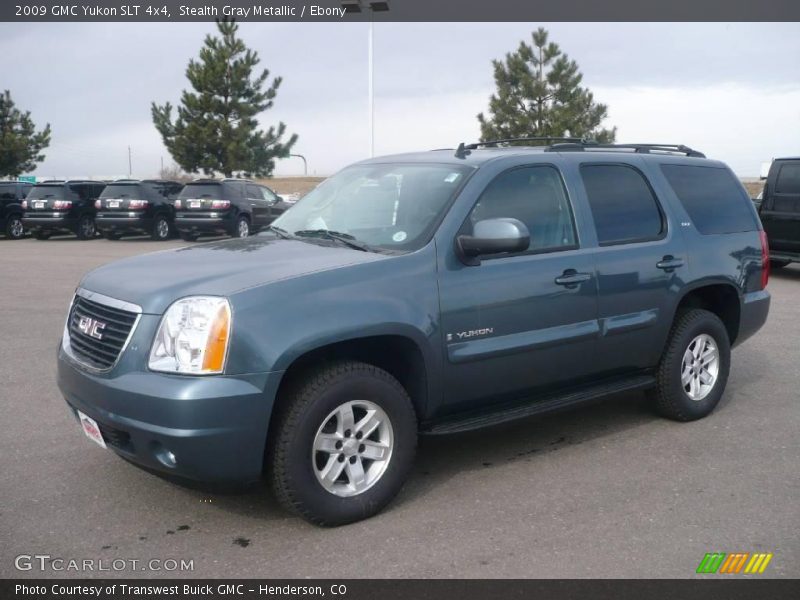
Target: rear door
<point>524,321</point>
<point>780,209</point>
<point>641,259</point>
<point>258,205</point>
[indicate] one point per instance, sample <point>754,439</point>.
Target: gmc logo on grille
<point>91,327</point>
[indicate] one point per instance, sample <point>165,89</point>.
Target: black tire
<point>14,228</point>
<point>242,227</point>
<point>672,400</point>
<point>305,407</point>
<point>188,237</point>
<point>162,230</point>
<point>778,264</point>
<point>42,235</point>
<point>111,235</point>
<point>86,229</point>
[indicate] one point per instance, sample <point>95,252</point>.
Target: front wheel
<point>242,229</point>
<point>343,444</point>
<point>86,228</point>
<point>694,368</point>
<point>161,229</point>
<point>14,228</point>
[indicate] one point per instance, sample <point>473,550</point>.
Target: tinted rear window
<point>201,190</point>
<point>623,206</point>
<point>126,190</point>
<point>788,181</point>
<point>47,191</point>
<point>715,201</point>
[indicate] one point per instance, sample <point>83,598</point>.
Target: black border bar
<point>405,10</point>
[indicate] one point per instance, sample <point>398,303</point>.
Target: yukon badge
<point>464,335</point>
<point>91,327</point>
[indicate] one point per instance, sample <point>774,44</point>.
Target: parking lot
<point>609,490</point>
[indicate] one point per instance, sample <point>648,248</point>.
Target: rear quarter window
<point>713,197</point>
<point>788,181</point>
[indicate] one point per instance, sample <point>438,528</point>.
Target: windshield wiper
<point>344,238</point>
<point>281,232</point>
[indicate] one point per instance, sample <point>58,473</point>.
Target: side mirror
<point>493,236</point>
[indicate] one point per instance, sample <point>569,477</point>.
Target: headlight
<point>192,337</point>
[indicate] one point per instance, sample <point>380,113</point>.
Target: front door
<point>258,206</point>
<point>520,322</point>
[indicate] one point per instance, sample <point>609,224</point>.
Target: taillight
<point>177,203</point>
<point>98,204</point>
<point>764,259</point>
<point>220,204</point>
<point>62,204</point>
<point>25,204</point>
<point>137,204</point>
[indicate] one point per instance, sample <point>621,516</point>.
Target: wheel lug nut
<point>341,458</point>
<point>352,460</point>
<point>339,445</point>
<point>359,435</point>
<point>347,433</point>
<point>361,447</point>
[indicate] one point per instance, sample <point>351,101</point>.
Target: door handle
<point>669,262</point>
<point>571,278</point>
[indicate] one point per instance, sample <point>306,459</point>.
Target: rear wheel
<point>188,237</point>
<point>14,228</point>
<point>343,444</point>
<point>242,229</point>
<point>86,228</point>
<point>778,264</point>
<point>161,229</point>
<point>694,369</point>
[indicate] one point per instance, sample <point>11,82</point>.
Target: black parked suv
<point>780,211</point>
<point>12,193</point>
<point>429,293</point>
<point>237,207</point>
<point>133,206</point>
<point>62,207</point>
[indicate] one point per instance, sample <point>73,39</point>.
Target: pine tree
<point>539,94</point>
<point>216,130</point>
<point>20,144</point>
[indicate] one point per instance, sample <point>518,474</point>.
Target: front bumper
<point>210,429</point>
<point>754,311</point>
<point>49,221</point>
<point>123,221</point>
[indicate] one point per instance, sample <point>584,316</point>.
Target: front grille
<point>115,437</point>
<point>102,352</point>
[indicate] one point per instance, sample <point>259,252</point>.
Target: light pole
<point>305,164</point>
<point>356,6</point>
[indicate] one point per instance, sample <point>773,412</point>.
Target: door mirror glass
<point>494,236</point>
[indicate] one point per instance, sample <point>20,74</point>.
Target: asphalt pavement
<point>609,490</point>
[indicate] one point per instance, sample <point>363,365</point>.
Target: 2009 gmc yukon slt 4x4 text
<point>422,293</point>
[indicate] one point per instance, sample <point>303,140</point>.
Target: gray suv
<point>424,293</point>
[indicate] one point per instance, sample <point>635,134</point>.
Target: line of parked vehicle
<point>156,207</point>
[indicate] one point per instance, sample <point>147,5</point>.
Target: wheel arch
<point>720,297</point>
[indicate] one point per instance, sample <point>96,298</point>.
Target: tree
<point>216,130</point>
<point>20,144</point>
<point>539,94</point>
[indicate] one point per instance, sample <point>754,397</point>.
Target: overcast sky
<point>730,90</point>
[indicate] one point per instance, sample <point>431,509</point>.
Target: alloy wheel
<point>700,367</point>
<point>16,229</point>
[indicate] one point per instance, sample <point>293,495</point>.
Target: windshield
<point>389,206</point>
<point>41,192</point>
<point>201,190</point>
<point>122,190</point>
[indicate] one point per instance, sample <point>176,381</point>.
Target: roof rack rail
<point>637,148</point>
<point>463,149</point>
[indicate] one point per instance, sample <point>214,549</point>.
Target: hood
<point>221,268</point>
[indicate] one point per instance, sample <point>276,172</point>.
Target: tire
<point>242,228</point>
<point>161,229</point>
<point>86,229</point>
<point>112,235</point>
<point>311,413</point>
<point>42,235</point>
<point>14,228</point>
<point>188,237</point>
<point>778,264</point>
<point>693,331</point>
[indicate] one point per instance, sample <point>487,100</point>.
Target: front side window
<point>387,206</point>
<point>536,197</point>
<point>623,206</point>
